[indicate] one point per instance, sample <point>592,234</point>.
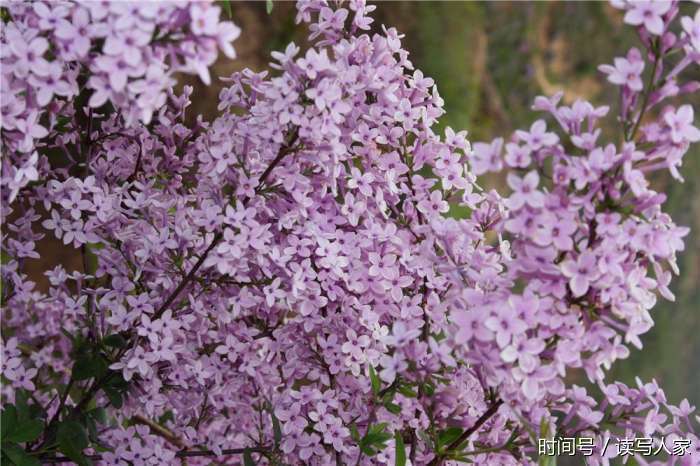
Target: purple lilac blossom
<point>285,280</point>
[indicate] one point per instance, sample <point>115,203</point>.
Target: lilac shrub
<point>289,283</point>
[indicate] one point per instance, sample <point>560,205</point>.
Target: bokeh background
<point>489,60</point>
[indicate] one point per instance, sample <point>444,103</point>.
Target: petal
<point>531,388</point>
<point>579,285</point>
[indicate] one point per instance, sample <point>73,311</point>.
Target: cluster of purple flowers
<point>286,282</point>
<point>124,53</point>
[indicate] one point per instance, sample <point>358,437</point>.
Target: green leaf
<point>72,440</point>
<point>392,408</point>
<point>381,427</point>
<point>18,456</point>
<point>544,427</point>
<point>375,439</point>
<point>8,420</point>
<point>389,394</point>
<point>61,123</point>
<point>400,456</point>
<point>115,341</point>
<point>114,387</point>
<point>115,398</point>
<point>354,432</point>
<point>276,429</point>
<point>526,425</point>
<point>407,391</point>
<point>99,415</point>
<point>248,458</point>
<point>22,405</point>
<point>26,411</point>
<point>547,460</point>
<point>269,6</point>
<point>449,435</point>
<point>117,382</point>
<point>89,366</point>
<point>25,431</point>
<point>423,435</point>
<point>376,383</point>
<point>226,6</point>
<point>166,417</point>
<point>367,450</point>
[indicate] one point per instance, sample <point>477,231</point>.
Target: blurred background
<point>489,60</point>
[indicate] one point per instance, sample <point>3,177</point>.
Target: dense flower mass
<point>122,52</point>
<point>289,283</point>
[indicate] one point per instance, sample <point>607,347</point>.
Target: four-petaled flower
<point>582,272</point>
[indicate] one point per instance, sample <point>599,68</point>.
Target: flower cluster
<point>124,53</point>
<point>289,283</point>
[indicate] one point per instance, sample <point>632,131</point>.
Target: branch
<point>467,433</point>
<point>477,425</point>
<point>188,278</point>
<point>285,150</point>
<point>159,430</point>
<point>647,92</point>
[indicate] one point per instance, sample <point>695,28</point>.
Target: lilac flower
<point>627,71</point>
<point>391,366</point>
<point>434,205</point>
<point>518,156</point>
<point>681,124</point>
<point>524,351</point>
<point>205,19</point>
<point>353,209</point>
<point>401,335</point>
<point>29,57</point>
<point>470,324</point>
<point>538,136</point>
<point>226,33</point>
<point>75,204</point>
<point>561,233</point>
<point>334,434</point>
<point>581,272</point>
<point>384,265</point>
<point>691,26</point>
<point>24,379</point>
<point>31,129</point>
<point>649,14</point>
<point>118,71</point>
<point>487,157</point>
<point>361,181</point>
<point>505,325</point>
<point>258,262</point>
<point>127,46</point>
<point>76,32</point>
<point>51,85</point>
<point>405,113</point>
<point>49,15</point>
<point>355,344</point>
<point>525,191</point>
<point>314,62</point>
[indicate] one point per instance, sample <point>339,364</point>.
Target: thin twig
<point>647,93</point>
<point>477,425</point>
<point>287,149</point>
<point>467,433</point>
<point>159,430</point>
